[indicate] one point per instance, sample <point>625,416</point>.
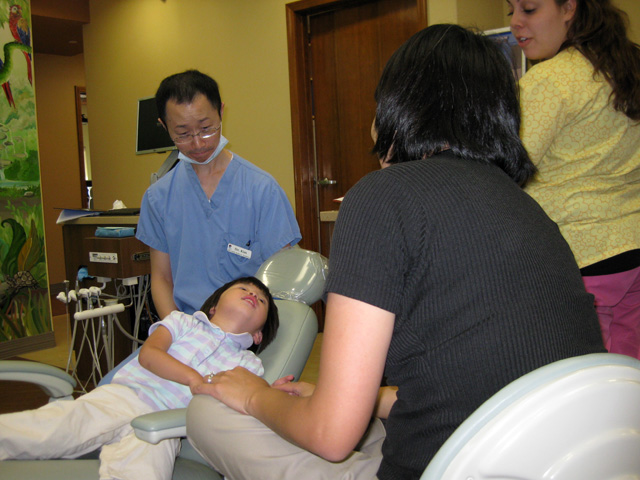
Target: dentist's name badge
<point>236,250</point>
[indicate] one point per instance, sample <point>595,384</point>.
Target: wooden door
<point>337,50</point>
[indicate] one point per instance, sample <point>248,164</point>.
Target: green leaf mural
<point>10,261</point>
<point>24,295</point>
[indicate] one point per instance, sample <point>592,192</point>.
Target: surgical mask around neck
<point>221,145</point>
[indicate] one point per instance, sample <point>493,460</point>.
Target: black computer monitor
<point>150,134</point>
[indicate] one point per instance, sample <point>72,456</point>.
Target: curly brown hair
<point>599,31</point>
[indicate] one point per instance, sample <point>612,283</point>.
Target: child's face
<point>247,306</point>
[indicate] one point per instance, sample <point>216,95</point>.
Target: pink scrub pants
<point>617,302</point>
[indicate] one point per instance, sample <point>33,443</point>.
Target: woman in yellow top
<point>581,126</point>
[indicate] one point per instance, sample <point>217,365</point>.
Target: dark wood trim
<point>310,7</point>
<point>302,128</point>
<point>422,13</point>
<point>79,91</point>
<point>18,346</point>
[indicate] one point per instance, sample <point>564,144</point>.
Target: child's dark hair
<point>272,323</point>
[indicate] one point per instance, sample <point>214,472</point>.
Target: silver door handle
<point>326,181</point>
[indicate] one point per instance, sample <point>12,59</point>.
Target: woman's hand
<point>234,388</point>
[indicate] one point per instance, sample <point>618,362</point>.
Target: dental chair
<point>295,278</point>
<point>575,419</point>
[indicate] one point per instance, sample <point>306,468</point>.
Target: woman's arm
<point>154,357</point>
<point>387,396</point>
<point>162,283</point>
<point>332,420</point>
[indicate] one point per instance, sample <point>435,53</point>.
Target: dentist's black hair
<point>183,88</point>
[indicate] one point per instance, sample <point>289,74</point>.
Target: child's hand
<point>299,389</point>
<point>195,381</point>
<point>283,380</point>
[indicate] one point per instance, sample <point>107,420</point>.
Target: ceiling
<point>56,27</point>
<point>54,36</point>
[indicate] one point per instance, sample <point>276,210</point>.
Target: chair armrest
<point>157,426</point>
<point>55,382</point>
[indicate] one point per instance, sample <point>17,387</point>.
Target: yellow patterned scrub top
<point>587,154</point>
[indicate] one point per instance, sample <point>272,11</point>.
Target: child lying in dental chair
<point>182,351</point>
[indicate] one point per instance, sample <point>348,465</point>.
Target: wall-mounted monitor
<point>509,45</point>
<point>150,134</point>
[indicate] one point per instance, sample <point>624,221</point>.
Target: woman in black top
<point>444,275</point>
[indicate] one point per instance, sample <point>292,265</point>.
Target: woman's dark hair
<point>272,323</point>
<point>450,88</point>
<point>183,87</point>
<point>599,31</point>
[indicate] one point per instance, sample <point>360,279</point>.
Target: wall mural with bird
<point>24,296</point>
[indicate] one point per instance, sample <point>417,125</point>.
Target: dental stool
<point>296,279</point>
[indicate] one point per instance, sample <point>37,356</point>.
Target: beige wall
<point>481,14</point>
<point>241,43</point>
<point>632,7</point>
<point>439,11</point>
<point>55,78</point>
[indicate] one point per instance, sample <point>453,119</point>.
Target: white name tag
<point>236,250</point>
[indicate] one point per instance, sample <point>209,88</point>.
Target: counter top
<point>105,220</point>
<point>329,216</point>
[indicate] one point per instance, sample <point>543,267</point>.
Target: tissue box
<point>117,232</point>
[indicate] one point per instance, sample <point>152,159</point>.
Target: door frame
<point>81,95</point>
<point>304,167</point>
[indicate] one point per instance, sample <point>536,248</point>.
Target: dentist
<point>215,216</point>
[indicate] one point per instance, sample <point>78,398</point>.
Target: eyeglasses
<point>204,134</point>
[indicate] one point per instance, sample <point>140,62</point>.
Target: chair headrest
<point>295,274</point>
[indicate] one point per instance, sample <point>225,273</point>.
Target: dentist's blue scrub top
<point>209,241</point>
